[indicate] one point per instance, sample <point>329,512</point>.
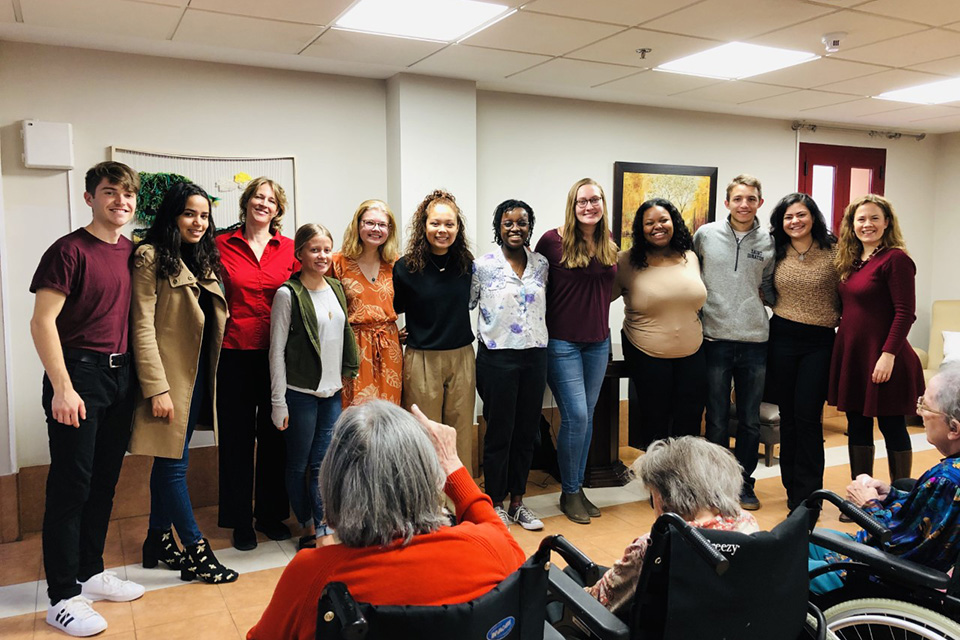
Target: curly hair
<point>821,235</point>
<point>574,252</point>
<point>277,223</point>
<point>418,249</point>
<point>504,207</point>
<point>681,242</point>
<point>353,246</point>
<point>849,249</point>
<point>164,235</point>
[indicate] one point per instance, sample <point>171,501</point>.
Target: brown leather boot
<point>900,464</point>
<point>861,461</point>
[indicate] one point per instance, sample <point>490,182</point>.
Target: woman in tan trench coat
<point>178,314</point>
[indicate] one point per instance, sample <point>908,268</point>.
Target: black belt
<point>111,360</point>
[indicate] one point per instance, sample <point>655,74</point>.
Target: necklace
<point>433,261</point>
<point>801,255</point>
<point>858,263</point>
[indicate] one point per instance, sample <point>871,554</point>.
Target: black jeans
<point>799,368</point>
<point>243,420</point>
<point>671,392</point>
<point>511,383</point>
<point>85,464</point>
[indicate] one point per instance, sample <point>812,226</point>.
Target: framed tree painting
<point>693,190</point>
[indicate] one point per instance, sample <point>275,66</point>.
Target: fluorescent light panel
<point>737,60</point>
<point>443,20</point>
<point>931,93</point>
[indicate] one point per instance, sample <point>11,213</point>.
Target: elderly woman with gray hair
<point>382,483</point>
<point>689,476</point>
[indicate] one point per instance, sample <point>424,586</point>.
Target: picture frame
<point>693,190</point>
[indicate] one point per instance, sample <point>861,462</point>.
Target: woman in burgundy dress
<point>874,373</point>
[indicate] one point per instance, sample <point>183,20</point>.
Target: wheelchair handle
<point>346,611</point>
<point>700,544</point>
<point>573,557</point>
<point>876,530</point>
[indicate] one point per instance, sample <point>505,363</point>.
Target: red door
<point>834,175</point>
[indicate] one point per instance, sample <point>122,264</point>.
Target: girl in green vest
<point>311,347</point>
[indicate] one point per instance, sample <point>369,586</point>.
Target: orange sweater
<point>449,566</point>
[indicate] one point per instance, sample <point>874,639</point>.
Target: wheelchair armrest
<point>883,564</point>
<point>549,633</point>
<point>573,557</point>
<point>587,609</point>
<point>866,522</point>
<point>345,611</point>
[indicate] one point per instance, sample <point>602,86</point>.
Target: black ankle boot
<point>199,563</point>
<point>161,547</point>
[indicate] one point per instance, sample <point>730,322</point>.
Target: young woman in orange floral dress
<point>365,267</point>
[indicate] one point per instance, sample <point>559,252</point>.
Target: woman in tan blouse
<point>659,279</point>
<point>801,338</point>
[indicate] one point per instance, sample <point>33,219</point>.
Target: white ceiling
<point>569,48</point>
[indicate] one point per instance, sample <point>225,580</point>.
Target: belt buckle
<point>115,360</point>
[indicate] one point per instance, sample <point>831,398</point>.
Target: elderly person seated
<point>382,483</point>
<point>924,522</point>
<point>697,480</point>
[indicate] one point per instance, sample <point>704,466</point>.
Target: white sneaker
<point>525,518</point>
<point>75,617</point>
<point>504,518</point>
<point>107,586</point>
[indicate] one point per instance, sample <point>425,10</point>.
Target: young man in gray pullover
<point>737,261</point>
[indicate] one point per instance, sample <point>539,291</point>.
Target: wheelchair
<point>702,583</point>
<point>883,596</point>
<point>513,609</point>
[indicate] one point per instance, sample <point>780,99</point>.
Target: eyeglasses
<point>923,407</point>
<point>373,224</point>
<point>582,202</point>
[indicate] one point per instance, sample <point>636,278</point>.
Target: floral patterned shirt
<point>512,309</point>
<point>616,587</point>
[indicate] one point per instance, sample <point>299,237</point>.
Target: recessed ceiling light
<point>931,93</point>
<point>736,60</point>
<point>442,20</point>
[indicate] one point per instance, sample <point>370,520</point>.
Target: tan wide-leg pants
<point>443,385</point>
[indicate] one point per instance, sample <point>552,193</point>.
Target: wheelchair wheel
<point>882,619</point>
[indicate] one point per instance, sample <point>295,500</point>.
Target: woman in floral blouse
<point>509,285</point>
<point>697,480</point>
<point>365,268</point>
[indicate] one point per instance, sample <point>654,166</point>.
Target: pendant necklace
<point>801,256</point>
<point>439,268</point>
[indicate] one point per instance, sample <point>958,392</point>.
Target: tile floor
<point>172,609</point>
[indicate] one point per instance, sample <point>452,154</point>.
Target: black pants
<point>243,420</point>
<point>893,428</point>
<point>671,392</point>
<point>799,368</point>
<point>85,464</point>
<point>511,383</point>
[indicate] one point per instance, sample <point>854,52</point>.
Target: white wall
<point>335,126</point>
<point>946,222</point>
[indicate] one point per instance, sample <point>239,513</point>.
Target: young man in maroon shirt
<point>79,327</point>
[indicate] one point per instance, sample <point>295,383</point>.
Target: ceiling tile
<point>536,33</point>
<point>802,100</point>
<point>573,72</point>
<point>878,83</point>
<point>660,83</point>
<point>932,12</point>
<point>476,63</point>
<point>730,20</point>
<point>335,44</point>
<point>237,32</point>
<point>305,11</point>
<point>919,113</point>
<point>861,29</point>
<point>854,109</point>
<point>946,66</point>
<point>625,12</point>
<point>817,72</point>
<point>102,16</point>
<point>622,48</point>
<point>735,92</point>
<point>907,50</point>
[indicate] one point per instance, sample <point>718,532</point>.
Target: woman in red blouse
<point>256,259</point>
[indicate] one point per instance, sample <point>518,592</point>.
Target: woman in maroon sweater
<point>874,373</point>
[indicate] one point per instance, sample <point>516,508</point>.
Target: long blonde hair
<point>849,248</point>
<point>576,254</point>
<point>353,246</point>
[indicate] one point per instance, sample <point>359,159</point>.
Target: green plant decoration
<point>153,186</point>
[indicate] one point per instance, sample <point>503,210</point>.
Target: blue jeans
<point>575,373</point>
<point>745,363</point>
<point>308,437</point>
<point>169,496</point>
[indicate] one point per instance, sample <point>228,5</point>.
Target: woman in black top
<point>432,287</point>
